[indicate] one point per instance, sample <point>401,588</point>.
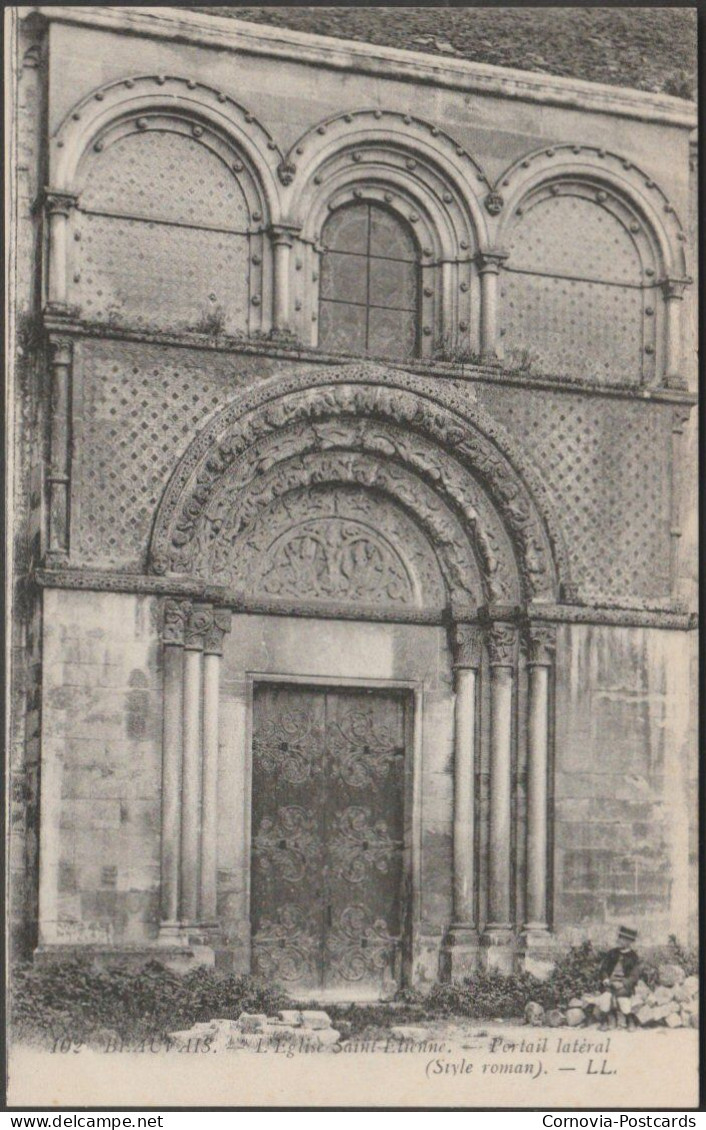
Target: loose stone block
<point>555,1018</point>
<point>662,994</point>
<point>534,1013</point>
<point>252,1021</point>
<point>313,1018</point>
<point>290,1016</point>
<point>671,975</point>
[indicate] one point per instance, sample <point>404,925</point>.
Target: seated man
<point>620,971</point>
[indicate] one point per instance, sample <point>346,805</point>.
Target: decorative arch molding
<point>608,172</point>
<point>389,429</point>
<point>126,98</point>
<point>230,250</point>
<point>475,558</point>
<point>651,351</point>
<point>418,172</point>
<point>362,130</point>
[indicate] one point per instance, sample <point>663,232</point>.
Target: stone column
<point>541,643</point>
<point>199,622</point>
<point>502,640</point>
<point>673,290</point>
<point>59,462</point>
<point>463,935</point>
<point>489,264</point>
<point>58,206</point>
<point>212,652</point>
<point>282,238</point>
<point>176,614</point>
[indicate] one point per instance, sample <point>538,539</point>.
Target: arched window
<point>369,291</point>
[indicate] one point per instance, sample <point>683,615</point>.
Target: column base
<point>187,933</point>
<point>498,947</point>
<point>461,950</point>
<point>537,950</point>
<point>172,934</point>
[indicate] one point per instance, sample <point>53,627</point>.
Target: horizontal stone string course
<point>103,581</point>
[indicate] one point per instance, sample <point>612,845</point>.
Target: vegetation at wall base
<point>87,1003</point>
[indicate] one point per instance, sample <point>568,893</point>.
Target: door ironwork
<point>327,837</point>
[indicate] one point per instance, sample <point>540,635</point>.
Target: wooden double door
<point>328,852</point>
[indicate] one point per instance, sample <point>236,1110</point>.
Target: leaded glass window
<point>369,284</point>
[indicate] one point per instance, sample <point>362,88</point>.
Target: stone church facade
<point>354,560</point>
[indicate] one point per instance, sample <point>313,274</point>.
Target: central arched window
<point>369,292</point>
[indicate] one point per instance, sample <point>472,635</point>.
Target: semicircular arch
<point>126,99</point>
<point>367,412</point>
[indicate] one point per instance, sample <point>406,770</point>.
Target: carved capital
<point>680,418</point>
<point>674,288</point>
<point>176,614</point>
<point>199,623</point>
<point>489,262</point>
<point>58,202</point>
<point>466,643</point>
<point>502,645</point>
<point>213,636</point>
<point>283,234</point>
<point>541,644</point>
<point>61,351</point>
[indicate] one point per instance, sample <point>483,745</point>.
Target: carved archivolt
<point>626,190</point>
<point>374,429</point>
<point>397,149</point>
<point>217,113</point>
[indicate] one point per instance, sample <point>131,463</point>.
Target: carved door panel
<point>327,838</point>
<point>364,836</point>
<point>286,895</point>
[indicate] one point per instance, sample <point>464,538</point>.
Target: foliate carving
<point>176,614</point>
<point>359,845</point>
<point>286,949</point>
<point>360,945</point>
<point>290,845</point>
<point>289,747</point>
<point>418,406</point>
<point>362,752</point>
<point>238,531</point>
<point>467,643</point>
<point>198,624</point>
<point>502,645</point>
<point>541,644</point>
<point>213,636</point>
<point>338,560</point>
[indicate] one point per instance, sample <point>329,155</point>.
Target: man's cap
<point>626,934</point>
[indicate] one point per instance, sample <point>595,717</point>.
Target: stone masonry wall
<point>625,784</point>
<point>101,768</point>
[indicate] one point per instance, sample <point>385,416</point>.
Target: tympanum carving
<point>412,431</point>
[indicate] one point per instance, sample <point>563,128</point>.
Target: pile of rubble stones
<point>306,1030</point>
<point>674,1003</point>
